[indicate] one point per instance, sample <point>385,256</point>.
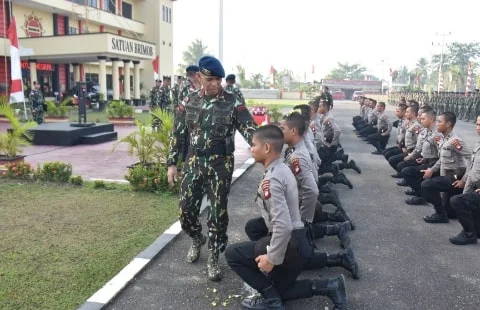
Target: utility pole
<point>440,73</point>
<point>220,33</point>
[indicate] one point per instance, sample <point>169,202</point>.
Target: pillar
<point>136,81</point>
<point>102,77</point>
<point>126,80</point>
<point>33,71</point>
<point>115,79</point>
<point>76,73</point>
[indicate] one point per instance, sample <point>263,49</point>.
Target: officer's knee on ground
<point>456,202</point>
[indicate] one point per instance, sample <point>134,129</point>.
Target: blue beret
<point>211,66</point>
<point>230,77</point>
<point>192,68</point>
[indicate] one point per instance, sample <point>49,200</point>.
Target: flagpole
<point>5,50</point>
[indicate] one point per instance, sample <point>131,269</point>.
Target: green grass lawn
<point>280,103</point>
<point>60,244</point>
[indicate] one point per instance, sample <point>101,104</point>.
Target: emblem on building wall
<point>33,26</point>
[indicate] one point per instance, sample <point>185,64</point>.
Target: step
<point>99,137</point>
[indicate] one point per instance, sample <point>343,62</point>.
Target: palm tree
<point>192,55</point>
<point>241,74</point>
<point>421,71</point>
<point>12,141</point>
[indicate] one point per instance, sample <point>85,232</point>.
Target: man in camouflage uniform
<point>155,94</point>
<point>176,91</point>
<point>191,84</point>
<point>165,101</point>
<point>209,117</point>
<point>36,99</point>
<point>231,87</point>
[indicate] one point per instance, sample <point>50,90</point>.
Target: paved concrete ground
<point>405,263</point>
<point>97,161</point>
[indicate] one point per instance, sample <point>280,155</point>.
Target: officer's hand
<point>458,184</point>
<point>427,173</point>
<point>263,263</point>
<point>477,190</point>
<point>406,158</point>
<point>419,160</point>
<point>172,175</point>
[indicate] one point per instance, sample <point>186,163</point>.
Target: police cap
<point>211,66</point>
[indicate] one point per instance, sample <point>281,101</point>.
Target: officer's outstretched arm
<point>243,121</point>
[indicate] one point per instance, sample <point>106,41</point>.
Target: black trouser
<point>360,124</point>
<point>391,151</point>
<point>320,216</point>
<point>241,258</point>
<point>431,189</point>
<point>395,160</point>
<point>328,156</point>
<point>414,177</point>
<point>369,129</point>
<point>378,141</point>
<point>467,207</point>
<point>406,163</point>
<point>256,229</point>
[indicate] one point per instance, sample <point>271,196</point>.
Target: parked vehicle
<point>93,94</point>
<point>338,95</point>
<point>356,95</point>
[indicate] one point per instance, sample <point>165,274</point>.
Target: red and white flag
<point>16,85</point>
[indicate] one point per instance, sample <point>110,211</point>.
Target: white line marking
<point>174,229</point>
<point>118,282</point>
<point>238,172</point>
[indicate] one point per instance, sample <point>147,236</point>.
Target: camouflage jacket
<point>234,90</point>
<point>156,95</point>
<point>186,89</point>
<point>210,124</point>
<point>165,100</point>
<point>36,98</point>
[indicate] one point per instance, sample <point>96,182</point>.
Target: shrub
<point>76,180</point>
<point>54,172</point>
<point>19,170</point>
<point>151,178</point>
<point>119,109</point>
<point>275,114</point>
<point>99,184</point>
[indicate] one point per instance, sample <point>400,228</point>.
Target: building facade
<point>109,43</point>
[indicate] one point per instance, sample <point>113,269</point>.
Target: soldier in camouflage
<point>155,95</point>
<point>36,100</point>
<point>165,101</point>
<point>231,87</point>
<point>210,118</point>
<point>176,91</point>
<point>191,84</point>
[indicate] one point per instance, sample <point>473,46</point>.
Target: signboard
<point>131,47</point>
<point>40,66</point>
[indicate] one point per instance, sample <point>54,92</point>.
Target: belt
<point>215,150</point>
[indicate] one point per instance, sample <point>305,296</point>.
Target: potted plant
<point>150,146</point>
<point>58,113</point>
<point>120,113</point>
<point>12,141</point>
<point>274,115</point>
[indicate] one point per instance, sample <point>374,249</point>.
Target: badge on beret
<point>266,189</point>
<point>457,144</point>
<point>296,166</point>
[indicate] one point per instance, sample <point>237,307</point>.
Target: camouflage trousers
<point>37,114</point>
<point>216,185</point>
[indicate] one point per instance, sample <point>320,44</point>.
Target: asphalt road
<point>405,263</point>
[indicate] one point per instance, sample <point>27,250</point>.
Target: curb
<point>115,285</point>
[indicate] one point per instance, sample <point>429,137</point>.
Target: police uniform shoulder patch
<point>437,139</point>
<point>456,143</point>
<point>296,166</point>
<point>266,189</point>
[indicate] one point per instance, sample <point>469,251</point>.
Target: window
<point>163,13</point>
<point>72,30</point>
<point>92,3</point>
<point>166,14</point>
<point>110,6</point>
<point>126,10</point>
<point>170,15</point>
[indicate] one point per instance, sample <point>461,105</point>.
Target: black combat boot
<point>269,300</point>
<point>464,238</point>
<point>194,251</point>
<point>334,289</point>
<point>353,165</point>
<point>415,201</point>
<point>345,259</point>
<point>341,230</point>
<point>340,216</point>
<point>213,269</point>
<point>342,179</point>
<point>436,218</point>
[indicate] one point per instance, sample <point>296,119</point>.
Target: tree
<point>421,70</point>
<point>257,80</point>
<point>241,75</point>
<point>192,55</point>
<point>346,71</point>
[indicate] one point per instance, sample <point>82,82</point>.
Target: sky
<point>300,34</point>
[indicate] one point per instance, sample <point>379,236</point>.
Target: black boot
<point>353,165</point>
<point>341,230</point>
<point>342,179</point>
<point>345,259</point>
<point>264,302</point>
<point>463,238</point>
<point>194,251</point>
<point>341,216</point>
<point>334,289</point>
